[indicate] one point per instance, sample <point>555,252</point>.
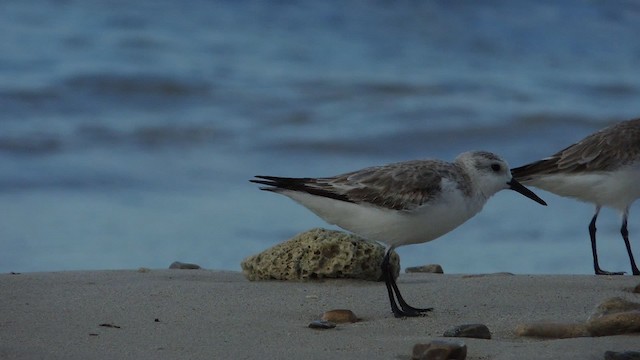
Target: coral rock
<point>317,254</point>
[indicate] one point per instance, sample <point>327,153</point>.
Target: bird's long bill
<point>516,186</point>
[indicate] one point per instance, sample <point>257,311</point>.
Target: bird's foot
<point>403,314</point>
<point>603,272</point>
<point>410,311</point>
<point>411,308</point>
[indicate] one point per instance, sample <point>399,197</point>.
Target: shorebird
<point>602,169</point>
<point>402,203</point>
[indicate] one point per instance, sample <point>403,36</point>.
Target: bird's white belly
<point>392,227</point>
<point>617,189</point>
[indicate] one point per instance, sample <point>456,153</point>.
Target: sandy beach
<point>204,314</point>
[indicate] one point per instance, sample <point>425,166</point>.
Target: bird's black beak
<point>516,186</point>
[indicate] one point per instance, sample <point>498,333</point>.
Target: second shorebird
<point>403,203</point>
<point>603,169</point>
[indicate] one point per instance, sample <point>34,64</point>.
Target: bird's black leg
<point>625,237</point>
<point>394,307</point>
<point>592,235</point>
<point>394,292</point>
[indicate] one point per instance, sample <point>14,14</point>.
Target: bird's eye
<point>495,167</point>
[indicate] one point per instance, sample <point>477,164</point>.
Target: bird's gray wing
<point>607,149</point>
<point>400,186</point>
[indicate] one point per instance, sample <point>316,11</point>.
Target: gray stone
<point>625,355</point>
<point>431,268</point>
<point>180,265</point>
<point>317,254</point>
<point>477,331</point>
<point>636,290</point>
<point>322,324</point>
<point>440,350</point>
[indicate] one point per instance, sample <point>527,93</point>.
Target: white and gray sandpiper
<point>602,169</point>
<point>403,203</point>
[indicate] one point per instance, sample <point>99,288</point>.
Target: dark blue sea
<point>129,129</point>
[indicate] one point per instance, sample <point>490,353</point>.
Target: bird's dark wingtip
<point>264,180</point>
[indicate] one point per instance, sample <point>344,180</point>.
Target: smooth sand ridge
<point>201,314</point>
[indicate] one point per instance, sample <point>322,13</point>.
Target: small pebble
<point>636,290</point>
<point>626,355</point>
<point>440,349</point>
<point>144,270</point>
<point>432,268</point>
<point>477,331</point>
<point>321,324</point>
<point>181,265</point>
<point>339,316</point>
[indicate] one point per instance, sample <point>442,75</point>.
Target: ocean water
<point>129,130</point>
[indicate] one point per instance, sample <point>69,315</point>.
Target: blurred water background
<point>129,129</point>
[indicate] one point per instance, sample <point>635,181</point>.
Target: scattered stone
<point>626,355</point>
<point>321,324</point>
<point>440,350</point>
<point>477,331</point>
<point>317,254</point>
<point>339,316</point>
<point>144,270</point>
<point>615,324</point>
<point>181,265</point>
<point>552,330</point>
<point>419,350</point>
<point>612,306</point>
<point>614,316</point>
<point>431,268</point>
<point>636,290</point>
